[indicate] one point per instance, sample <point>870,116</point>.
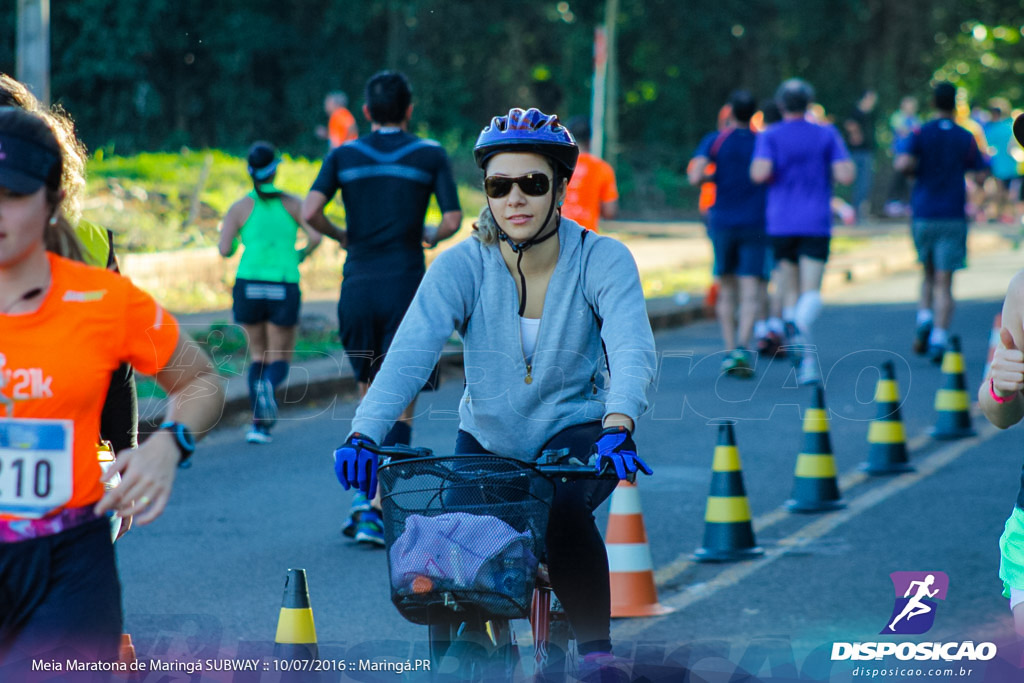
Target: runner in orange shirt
<point>341,125</point>
<point>58,580</point>
<point>592,193</point>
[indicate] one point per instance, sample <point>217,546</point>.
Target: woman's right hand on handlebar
<point>616,445</point>
<point>356,465</point>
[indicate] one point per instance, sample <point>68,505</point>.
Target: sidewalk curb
<point>326,378</point>
<point>331,376</point>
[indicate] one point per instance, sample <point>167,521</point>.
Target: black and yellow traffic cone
<point>887,442</point>
<point>815,488</point>
<point>728,532</point>
<point>296,634</point>
<point>952,402</point>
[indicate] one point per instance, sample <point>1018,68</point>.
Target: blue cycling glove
<point>355,465</point>
<point>616,444</point>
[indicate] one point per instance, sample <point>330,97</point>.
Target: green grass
<point>146,198</point>
<point>672,281</point>
<point>227,347</point>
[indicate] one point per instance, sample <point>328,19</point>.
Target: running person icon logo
<point>914,608</point>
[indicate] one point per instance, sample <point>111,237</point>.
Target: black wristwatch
<point>182,438</point>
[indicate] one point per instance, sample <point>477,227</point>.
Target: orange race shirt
<point>56,362</point>
<point>592,184</point>
<point>341,127</point>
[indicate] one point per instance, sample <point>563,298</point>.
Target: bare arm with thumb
<point>999,395</point>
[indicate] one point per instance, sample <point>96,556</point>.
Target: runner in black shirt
<point>386,179</point>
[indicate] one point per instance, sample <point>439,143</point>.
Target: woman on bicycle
<point>558,350</point>
<point>266,291</point>
<point>58,580</point>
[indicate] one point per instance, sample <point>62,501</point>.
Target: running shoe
<point>795,343</point>
<point>360,504</point>
<point>258,435</point>
<point>807,372</point>
<point>737,364</point>
<point>265,411</point>
<point>921,335</point>
<point>770,346</point>
<point>370,528</point>
<point>935,353</point>
<point>602,667</point>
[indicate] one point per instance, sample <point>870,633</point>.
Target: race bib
<point>35,466</point>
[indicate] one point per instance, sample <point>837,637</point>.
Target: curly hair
<point>13,93</point>
<point>485,229</point>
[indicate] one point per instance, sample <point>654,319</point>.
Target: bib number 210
<point>35,466</point>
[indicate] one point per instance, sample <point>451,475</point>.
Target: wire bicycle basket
<point>463,532</point>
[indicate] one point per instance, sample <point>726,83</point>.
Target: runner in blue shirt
<point>939,154</point>
<point>736,228</point>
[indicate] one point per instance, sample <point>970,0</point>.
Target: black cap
<point>1018,130</point>
<point>26,166</point>
<point>262,160</point>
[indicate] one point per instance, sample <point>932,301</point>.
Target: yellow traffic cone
<point>952,402</point>
<point>631,570</point>
<point>296,634</point>
<point>728,532</point>
<point>887,442</point>
<point>815,488</point>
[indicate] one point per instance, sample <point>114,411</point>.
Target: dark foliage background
<point>162,74</point>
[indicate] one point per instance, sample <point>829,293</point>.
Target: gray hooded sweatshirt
<point>513,408</point>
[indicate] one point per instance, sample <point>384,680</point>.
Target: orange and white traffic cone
<point>993,342</point>
<point>631,571</point>
<point>126,656</point>
<point>126,652</point>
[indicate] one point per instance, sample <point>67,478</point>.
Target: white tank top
<point>528,328</point>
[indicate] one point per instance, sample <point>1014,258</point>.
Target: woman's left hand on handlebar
<point>616,445</point>
<point>356,465</point>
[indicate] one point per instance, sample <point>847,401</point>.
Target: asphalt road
<point>206,579</point>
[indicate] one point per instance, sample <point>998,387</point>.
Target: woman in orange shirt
<point>58,581</point>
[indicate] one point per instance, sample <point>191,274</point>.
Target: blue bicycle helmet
<point>528,131</point>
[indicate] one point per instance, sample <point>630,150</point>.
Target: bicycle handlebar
<point>551,463</point>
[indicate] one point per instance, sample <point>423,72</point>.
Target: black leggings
<point>60,597</point>
<point>576,556</point>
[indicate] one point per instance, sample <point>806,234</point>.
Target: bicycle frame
<point>473,644</point>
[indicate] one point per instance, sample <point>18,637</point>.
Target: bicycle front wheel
<point>475,651</point>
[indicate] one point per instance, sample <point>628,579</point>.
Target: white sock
<point>776,325</point>
<point>788,312</point>
<point>924,316</point>
<point>760,329</point>
<point>808,308</point>
<point>938,337</point>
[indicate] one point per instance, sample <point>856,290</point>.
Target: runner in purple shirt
<point>799,160</point>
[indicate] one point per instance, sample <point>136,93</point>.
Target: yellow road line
<point>806,534</point>
<point>847,481</point>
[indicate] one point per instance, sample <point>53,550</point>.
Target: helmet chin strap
<point>519,247</point>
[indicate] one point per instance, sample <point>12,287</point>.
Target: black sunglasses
<point>532,184</point>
